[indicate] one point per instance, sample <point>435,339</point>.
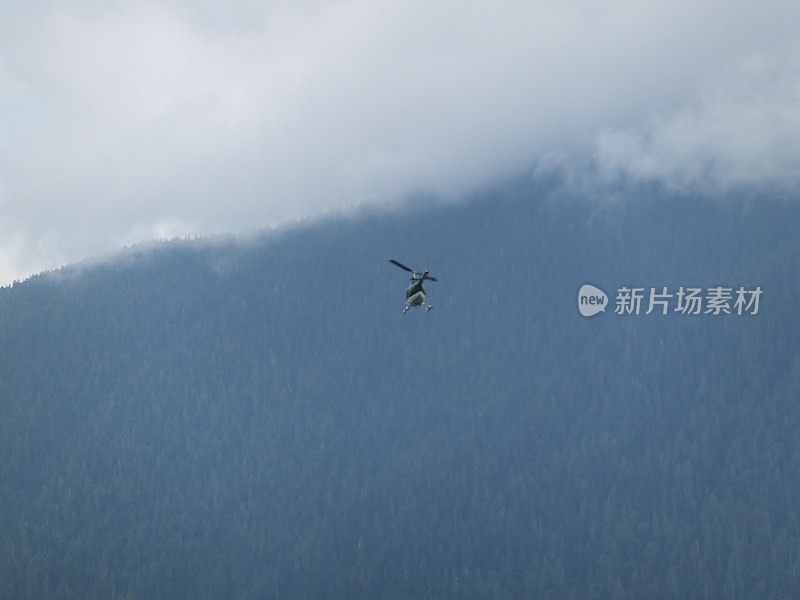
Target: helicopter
<point>415,294</point>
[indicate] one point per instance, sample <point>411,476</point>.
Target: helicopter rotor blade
<point>431,278</point>
<point>401,265</point>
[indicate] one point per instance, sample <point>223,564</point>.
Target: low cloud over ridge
<point>153,119</point>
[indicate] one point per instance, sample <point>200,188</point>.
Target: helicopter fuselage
<point>415,295</point>
<point>415,288</point>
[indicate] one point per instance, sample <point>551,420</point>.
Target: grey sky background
<point>127,121</point>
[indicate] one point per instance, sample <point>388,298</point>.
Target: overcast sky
<point>127,121</point>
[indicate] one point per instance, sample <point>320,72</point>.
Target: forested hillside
<point>254,418</point>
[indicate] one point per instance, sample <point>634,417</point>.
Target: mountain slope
<point>257,419</point>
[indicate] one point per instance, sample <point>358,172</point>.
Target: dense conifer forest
<point>253,417</point>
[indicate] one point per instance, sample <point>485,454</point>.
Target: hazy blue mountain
<point>255,419</point>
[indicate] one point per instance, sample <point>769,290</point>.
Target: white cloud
<point>122,117</point>
<point>742,129</point>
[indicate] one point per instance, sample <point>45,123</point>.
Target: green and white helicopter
<point>415,294</point>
